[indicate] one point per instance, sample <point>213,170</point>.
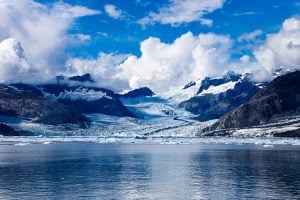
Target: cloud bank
<point>282,48</point>
<point>42,31</point>
<point>164,66</point>
<point>161,66</point>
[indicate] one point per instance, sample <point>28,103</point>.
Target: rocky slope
<point>28,105</point>
<point>278,101</point>
<point>217,96</point>
<point>87,99</point>
<point>80,94</point>
<point>140,92</point>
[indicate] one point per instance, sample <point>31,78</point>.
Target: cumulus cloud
<point>112,11</point>
<point>103,69</point>
<point>164,66</point>
<point>247,37</point>
<point>282,48</point>
<point>183,11</point>
<point>42,30</point>
<point>161,66</point>
<point>13,62</point>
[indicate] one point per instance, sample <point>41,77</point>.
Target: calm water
<point>139,171</point>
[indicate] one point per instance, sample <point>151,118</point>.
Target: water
<point>77,170</point>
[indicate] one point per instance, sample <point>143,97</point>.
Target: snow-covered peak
<point>83,78</point>
<point>232,76</point>
<point>188,91</point>
<point>219,88</point>
<point>140,92</point>
<point>208,85</point>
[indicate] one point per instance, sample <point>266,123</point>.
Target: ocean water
<point>86,170</point>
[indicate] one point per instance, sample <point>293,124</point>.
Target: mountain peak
<point>232,76</point>
<point>229,76</point>
<point>83,78</point>
<point>140,92</point>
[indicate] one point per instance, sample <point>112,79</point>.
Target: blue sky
<point>124,35</point>
<point>135,43</point>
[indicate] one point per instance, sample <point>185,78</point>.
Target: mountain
<point>83,78</point>
<point>279,101</point>
<point>216,96</point>
<point>80,94</point>
<point>86,99</point>
<point>140,92</point>
<point>28,105</point>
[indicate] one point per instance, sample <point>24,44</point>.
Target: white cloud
<point>161,66</point>
<point>103,69</point>
<point>282,48</point>
<point>13,62</point>
<point>183,11</point>
<point>246,13</point>
<point>165,66</point>
<point>248,37</point>
<point>245,59</point>
<point>41,29</point>
<point>112,11</point>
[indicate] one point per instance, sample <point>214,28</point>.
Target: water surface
<point>148,171</point>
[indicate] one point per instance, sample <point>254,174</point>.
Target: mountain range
<point>235,99</point>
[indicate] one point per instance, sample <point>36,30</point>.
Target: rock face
<point>140,92</point>
<point>87,99</point>
<point>28,105</point>
<point>279,100</point>
<point>83,78</point>
<point>7,131</point>
<point>217,96</point>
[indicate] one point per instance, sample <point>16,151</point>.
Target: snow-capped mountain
<point>80,97</point>
<point>140,92</point>
<point>31,105</point>
<point>188,91</point>
<point>210,85</point>
<point>211,98</point>
<point>276,107</point>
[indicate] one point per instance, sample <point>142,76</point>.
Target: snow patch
<point>80,94</point>
<point>179,95</point>
<point>219,89</point>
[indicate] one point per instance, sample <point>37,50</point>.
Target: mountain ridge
<point>279,100</point>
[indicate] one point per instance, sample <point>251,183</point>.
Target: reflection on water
<point>115,171</point>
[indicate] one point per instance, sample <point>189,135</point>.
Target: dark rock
<point>83,78</point>
<point>279,100</point>
<point>207,82</point>
<point>213,106</point>
<point>6,130</point>
<point>28,105</point>
<point>293,133</point>
<point>140,92</point>
<point>109,104</point>
<point>190,84</point>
